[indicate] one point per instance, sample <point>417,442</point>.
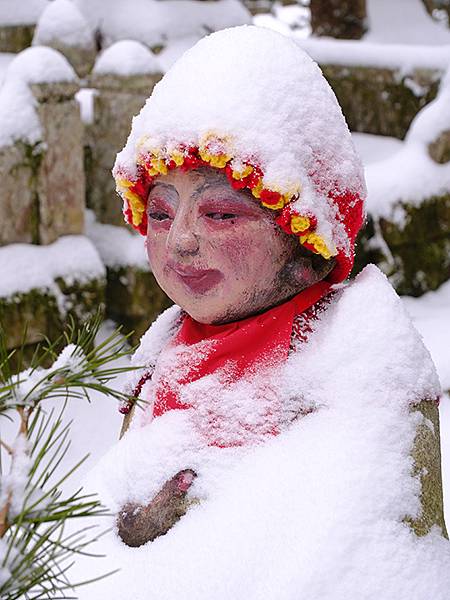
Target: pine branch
<point>35,553</point>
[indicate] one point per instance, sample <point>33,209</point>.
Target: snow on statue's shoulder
<point>316,512</point>
<point>368,342</point>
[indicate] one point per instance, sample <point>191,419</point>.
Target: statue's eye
<point>158,216</point>
<point>218,216</point>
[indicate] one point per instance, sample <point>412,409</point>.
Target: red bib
<point>240,344</point>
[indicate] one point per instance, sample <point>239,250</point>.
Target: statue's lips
<point>197,281</point>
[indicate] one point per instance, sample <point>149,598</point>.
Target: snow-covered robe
<point>327,509</point>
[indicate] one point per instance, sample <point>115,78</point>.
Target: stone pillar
<point>118,99</point>
<point>61,178</point>
<point>345,19</point>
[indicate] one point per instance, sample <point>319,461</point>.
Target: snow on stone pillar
<point>62,27</point>
<point>123,76</point>
<point>409,232</point>
<point>17,23</point>
<point>41,151</point>
<point>345,19</point>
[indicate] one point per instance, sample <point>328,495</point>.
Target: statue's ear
<point>308,268</point>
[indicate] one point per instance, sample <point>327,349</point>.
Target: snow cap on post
<point>251,102</point>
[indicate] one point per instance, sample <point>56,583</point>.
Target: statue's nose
<point>183,239</point>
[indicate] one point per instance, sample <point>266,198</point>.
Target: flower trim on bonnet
<point>214,150</point>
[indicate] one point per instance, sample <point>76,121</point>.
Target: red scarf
<point>242,344</point>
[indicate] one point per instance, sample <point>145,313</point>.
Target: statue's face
<point>217,252</point>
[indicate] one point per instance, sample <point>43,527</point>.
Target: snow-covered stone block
<point>17,23</point>
<point>41,134</point>
<point>42,286</point>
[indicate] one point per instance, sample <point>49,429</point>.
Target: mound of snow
<point>40,64</point>
<point>18,117</point>
<point>62,20</point>
<point>127,57</point>
<point>409,174</point>
<point>72,257</point>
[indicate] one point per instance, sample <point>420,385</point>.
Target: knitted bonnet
<point>249,102</point>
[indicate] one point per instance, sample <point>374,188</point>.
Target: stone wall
<point>381,101</point>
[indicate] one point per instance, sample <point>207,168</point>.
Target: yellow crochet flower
<point>299,223</point>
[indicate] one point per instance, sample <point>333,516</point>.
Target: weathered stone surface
<point>426,454</point>
<point>15,38</point>
<point>19,205</point>
<point>258,7</point>
<point>30,317</point>
<point>381,101</point>
<point>134,299</point>
<point>117,101</point>
<point>439,150</point>
<point>61,177</point>
<point>345,19</point>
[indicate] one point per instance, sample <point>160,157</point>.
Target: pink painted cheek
<point>248,252</point>
<point>155,247</point>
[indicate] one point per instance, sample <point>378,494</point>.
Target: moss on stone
<point>419,241</point>
<point>29,318</point>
